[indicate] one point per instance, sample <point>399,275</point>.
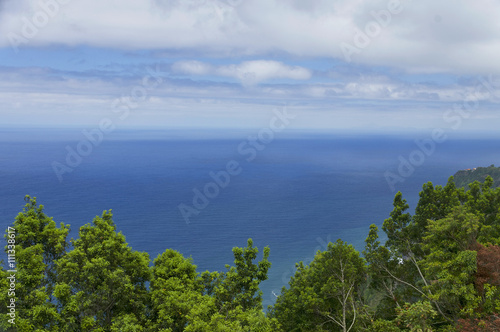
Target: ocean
<point>293,193</point>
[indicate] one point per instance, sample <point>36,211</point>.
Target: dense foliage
<point>466,176</point>
<point>438,270</point>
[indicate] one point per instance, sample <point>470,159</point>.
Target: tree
<point>416,317</point>
<point>348,272</point>
<point>295,308</point>
<point>404,249</point>
<point>386,276</point>
<point>324,295</point>
<point>435,203</point>
<point>484,202</point>
<point>451,262</point>
<point>236,320</point>
<point>488,324</point>
<point>38,243</point>
<point>383,326</point>
<point>487,279</point>
<point>5,314</point>
<point>232,300</point>
<point>396,227</point>
<point>488,266</point>
<point>102,281</point>
<point>239,285</point>
<point>175,291</point>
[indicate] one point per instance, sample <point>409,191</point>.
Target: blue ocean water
<point>298,194</point>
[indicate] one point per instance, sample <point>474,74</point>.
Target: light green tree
<point>38,243</point>
<point>175,291</point>
<point>232,300</point>
<point>239,285</point>
<point>102,281</point>
<point>416,317</point>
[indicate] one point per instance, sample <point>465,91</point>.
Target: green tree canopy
<point>323,296</point>
<point>38,244</point>
<point>102,281</point>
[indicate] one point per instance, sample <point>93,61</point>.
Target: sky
<point>335,65</point>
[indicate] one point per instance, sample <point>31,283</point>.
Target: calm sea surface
<point>295,196</point>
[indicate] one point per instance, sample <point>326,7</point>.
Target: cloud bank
<point>423,36</point>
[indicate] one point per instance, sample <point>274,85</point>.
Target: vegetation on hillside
<point>464,177</point>
<point>439,270</point>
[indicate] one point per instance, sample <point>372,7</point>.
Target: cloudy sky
<point>355,65</point>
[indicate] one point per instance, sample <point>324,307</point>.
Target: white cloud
<point>192,67</point>
<point>248,72</point>
<point>45,96</point>
<point>251,72</point>
<point>450,35</point>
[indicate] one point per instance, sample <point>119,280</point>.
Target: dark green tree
<point>435,203</point>
<point>399,237</point>
<point>404,252</point>
<point>386,276</point>
<point>324,295</point>
<point>452,263</point>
